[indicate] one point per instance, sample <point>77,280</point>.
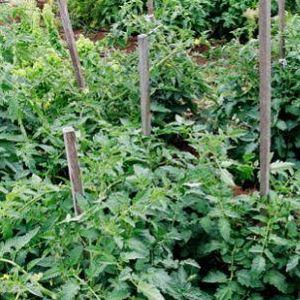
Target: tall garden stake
<point>69,35</point>
<point>73,166</point>
<point>143,43</point>
<point>265,95</point>
<point>150,8</point>
<point>281,13</point>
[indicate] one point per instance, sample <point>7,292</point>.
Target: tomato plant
<point>163,216</point>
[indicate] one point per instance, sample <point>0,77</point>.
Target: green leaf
<point>270,256</point>
<point>195,294</point>
<point>132,255</point>
<point>52,273</point>
<point>256,249</point>
<point>158,107</point>
<point>69,290</point>
<point>225,229</point>
<point>149,291</point>
<point>191,262</point>
<point>293,263</point>
<point>118,295</point>
<point>244,277</point>
<point>215,277</point>
<point>34,289</point>
<point>75,255</point>
<point>281,125</point>
<point>224,293</point>
<point>16,243</point>
<point>258,265</point>
<point>207,224</point>
<point>279,166</point>
<point>278,240</point>
<point>226,177</point>
<point>276,279</point>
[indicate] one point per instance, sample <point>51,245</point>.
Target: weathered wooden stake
<point>73,165</point>
<point>281,13</point>
<point>265,95</point>
<point>150,8</point>
<point>143,43</point>
<point>69,35</point>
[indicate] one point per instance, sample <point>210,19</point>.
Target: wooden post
<point>281,13</point>
<point>265,95</point>
<point>73,166</point>
<point>143,43</point>
<point>69,35</point>
<point>150,8</point>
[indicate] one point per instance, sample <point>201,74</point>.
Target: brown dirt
<point>197,52</point>
<point>131,45</point>
<point>201,48</point>
<point>98,36</point>
<point>77,33</point>
<point>200,60</point>
<point>41,4</point>
<point>238,191</point>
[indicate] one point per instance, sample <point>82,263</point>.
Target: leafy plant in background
<point>36,85</point>
<point>238,91</point>
<point>293,6</point>
<point>176,82</point>
<point>228,15</point>
<point>100,14</point>
<point>185,14</point>
<point>33,77</point>
<point>219,17</point>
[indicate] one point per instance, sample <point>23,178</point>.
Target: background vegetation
<point>172,216</point>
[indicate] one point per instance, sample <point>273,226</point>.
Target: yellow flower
<point>5,277</point>
<point>47,105</point>
<point>37,277</point>
<point>251,14</point>
<point>197,42</point>
<point>116,67</point>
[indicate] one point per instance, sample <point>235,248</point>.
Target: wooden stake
<point>73,165</point>
<point>281,13</point>
<point>143,43</point>
<point>265,95</point>
<point>69,35</point>
<point>150,8</point>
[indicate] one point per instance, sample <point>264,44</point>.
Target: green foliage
<point>195,15</point>
<point>152,224</point>
<point>293,6</point>
<point>219,17</point>
<point>100,13</point>
<point>176,82</point>
<point>38,83</point>
<point>16,243</point>
<point>228,15</point>
<point>238,91</point>
<point>185,14</point>
<point>159,222</point>
<point>256,252</point>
